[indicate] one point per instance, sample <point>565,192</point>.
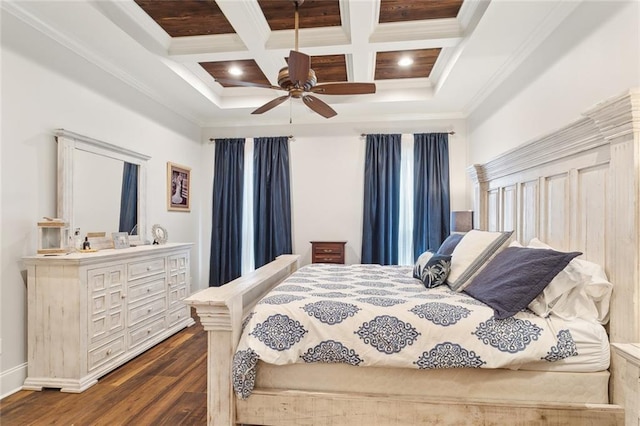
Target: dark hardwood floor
<point>166,385</point>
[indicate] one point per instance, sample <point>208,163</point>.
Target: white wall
<point>44,87</point>
<point>593,55</point>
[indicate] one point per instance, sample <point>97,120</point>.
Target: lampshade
<point>462,221</point>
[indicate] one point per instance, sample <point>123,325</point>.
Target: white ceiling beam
<point>360,18</point>
<point>437,30</point>
<point>252,28</point>
<point>186,48</point>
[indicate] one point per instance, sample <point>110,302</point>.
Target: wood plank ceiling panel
<point>423,60</point>
<point>181,18</point>
<point>329,68</point>
<point>251,72</point>
<point>403,10</point>
<point>313,14</point>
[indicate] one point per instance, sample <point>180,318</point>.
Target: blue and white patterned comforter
<point>371,315</point>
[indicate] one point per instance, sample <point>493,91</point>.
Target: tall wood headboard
<point>578,188</point>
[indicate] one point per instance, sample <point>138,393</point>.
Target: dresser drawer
<point>146,268</point>
<point>140,335</point>
<point>178,315</point>
<point>146,289</point>
<point>105,353</point>
<point>327,251</point>
<point>140,313</point>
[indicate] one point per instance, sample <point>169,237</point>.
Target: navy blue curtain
<point>271,199</point>
<point>226,225</point>
<point>129,199</point>
<point>381,200</point>
<point>430,191</point>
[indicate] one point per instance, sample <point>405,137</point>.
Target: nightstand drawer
<point>327,251</point>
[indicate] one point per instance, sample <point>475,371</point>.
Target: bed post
<point>476,173</point>
<point>618,120</point>
<point>218,322</point>
<point>221,310</point>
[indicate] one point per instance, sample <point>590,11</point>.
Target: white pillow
<point>580,290</point>
<point>472,253</point>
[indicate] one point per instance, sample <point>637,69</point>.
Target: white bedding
<point>369,315</point>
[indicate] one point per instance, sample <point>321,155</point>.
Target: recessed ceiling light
<point>235,70</point>
<point>405,62</point>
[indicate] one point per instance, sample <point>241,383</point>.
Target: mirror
<point>90,174</point>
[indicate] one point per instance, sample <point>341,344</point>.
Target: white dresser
<point>89,313</point>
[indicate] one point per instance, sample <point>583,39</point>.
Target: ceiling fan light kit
<point>298,79</point>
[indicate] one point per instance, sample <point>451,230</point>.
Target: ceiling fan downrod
<point>296,22</point>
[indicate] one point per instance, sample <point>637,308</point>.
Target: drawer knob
<point>149,331</point>
<point>327,250</point>
<point>109,352</point>
<point>149,310</point>
<point>149,268</point>
<point>148,290</point>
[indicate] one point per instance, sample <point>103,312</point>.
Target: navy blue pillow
<point>449,244</point>
<point>432,269</point>
<point>515,276</point>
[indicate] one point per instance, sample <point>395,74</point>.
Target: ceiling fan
<point>298,79</point>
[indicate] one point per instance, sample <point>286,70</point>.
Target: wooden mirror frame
<point>68,142</point>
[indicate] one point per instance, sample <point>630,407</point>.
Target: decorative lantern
<point>53,237</point>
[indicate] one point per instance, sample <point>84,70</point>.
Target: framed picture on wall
<point>178,187</point>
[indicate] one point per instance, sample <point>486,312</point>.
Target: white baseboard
<point>11,380</point>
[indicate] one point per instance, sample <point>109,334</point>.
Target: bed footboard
<point>300,408</point>
<point>221,310</point>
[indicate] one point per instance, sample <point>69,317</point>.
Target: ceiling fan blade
<point>299,65</point>
<point>318,106</point>
<point>271,104</point>
<point>344,88</point>
<point>246,83</point>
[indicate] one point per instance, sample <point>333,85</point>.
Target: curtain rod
<point>288,137</point>
<point>362,135</point>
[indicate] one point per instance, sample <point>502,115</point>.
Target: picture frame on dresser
<point>178,187</point>
<point>120,240</point>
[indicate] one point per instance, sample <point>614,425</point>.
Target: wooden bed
<point>577,189</point>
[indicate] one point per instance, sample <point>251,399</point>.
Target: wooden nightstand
<point>327,251</point>
<point>631,353</point>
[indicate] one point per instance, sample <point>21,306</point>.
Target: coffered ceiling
<point>174,50</point>
<point>188,18</point>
